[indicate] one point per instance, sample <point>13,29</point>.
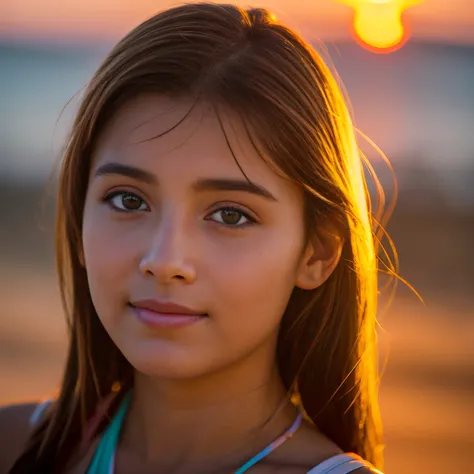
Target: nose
<point>167,257</point>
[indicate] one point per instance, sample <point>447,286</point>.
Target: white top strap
<point>38,412</point>
<point>338,464</point>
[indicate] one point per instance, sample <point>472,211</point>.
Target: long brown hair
<point>297,118</point>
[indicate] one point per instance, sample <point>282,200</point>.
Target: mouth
<point>165,315</point>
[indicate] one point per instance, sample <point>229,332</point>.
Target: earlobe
<point>318,262</point>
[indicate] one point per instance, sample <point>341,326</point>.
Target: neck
<point>226,415</point>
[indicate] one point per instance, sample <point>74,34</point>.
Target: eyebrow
<point>126,170</point>
<point>201,185</point>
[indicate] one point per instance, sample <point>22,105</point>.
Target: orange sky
<point>444,20</point>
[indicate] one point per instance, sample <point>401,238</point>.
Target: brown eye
<point>126,202</point>
<point>232,217</point>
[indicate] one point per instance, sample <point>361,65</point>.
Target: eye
<point>232,217</point>
<point>126,201</point>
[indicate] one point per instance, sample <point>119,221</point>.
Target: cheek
<point>254,284</point>
<point>108,262</point>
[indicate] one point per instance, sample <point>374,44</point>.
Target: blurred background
<point>416,103</point>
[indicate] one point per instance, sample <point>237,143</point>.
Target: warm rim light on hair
<point>378,24</point>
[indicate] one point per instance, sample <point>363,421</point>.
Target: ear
<point>319,259</point>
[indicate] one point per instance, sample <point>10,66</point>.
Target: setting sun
<point>378,24</point>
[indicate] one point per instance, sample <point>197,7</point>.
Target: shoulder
<point>310,451</point>
<point>15,428</point>
<point>300,454</point>
<point>15,422</point>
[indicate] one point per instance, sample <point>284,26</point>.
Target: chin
<point>167,360</point>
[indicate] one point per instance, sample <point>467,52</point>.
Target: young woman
<point>217,262</point>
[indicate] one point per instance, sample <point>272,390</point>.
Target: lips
<point>165,307</point>
<point>157,314</point>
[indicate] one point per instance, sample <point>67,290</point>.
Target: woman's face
<point>173,220</point>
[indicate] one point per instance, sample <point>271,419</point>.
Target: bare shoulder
<point>308,448</point>
<point>15,429</point>
<point>304,453</point>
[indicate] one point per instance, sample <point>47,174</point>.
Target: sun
<point>379,25</point>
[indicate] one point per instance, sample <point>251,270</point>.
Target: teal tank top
<point>103,461</point>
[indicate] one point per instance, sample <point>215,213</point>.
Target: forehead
<point>165,135</point>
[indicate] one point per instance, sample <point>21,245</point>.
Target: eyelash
<point>109,198</point>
